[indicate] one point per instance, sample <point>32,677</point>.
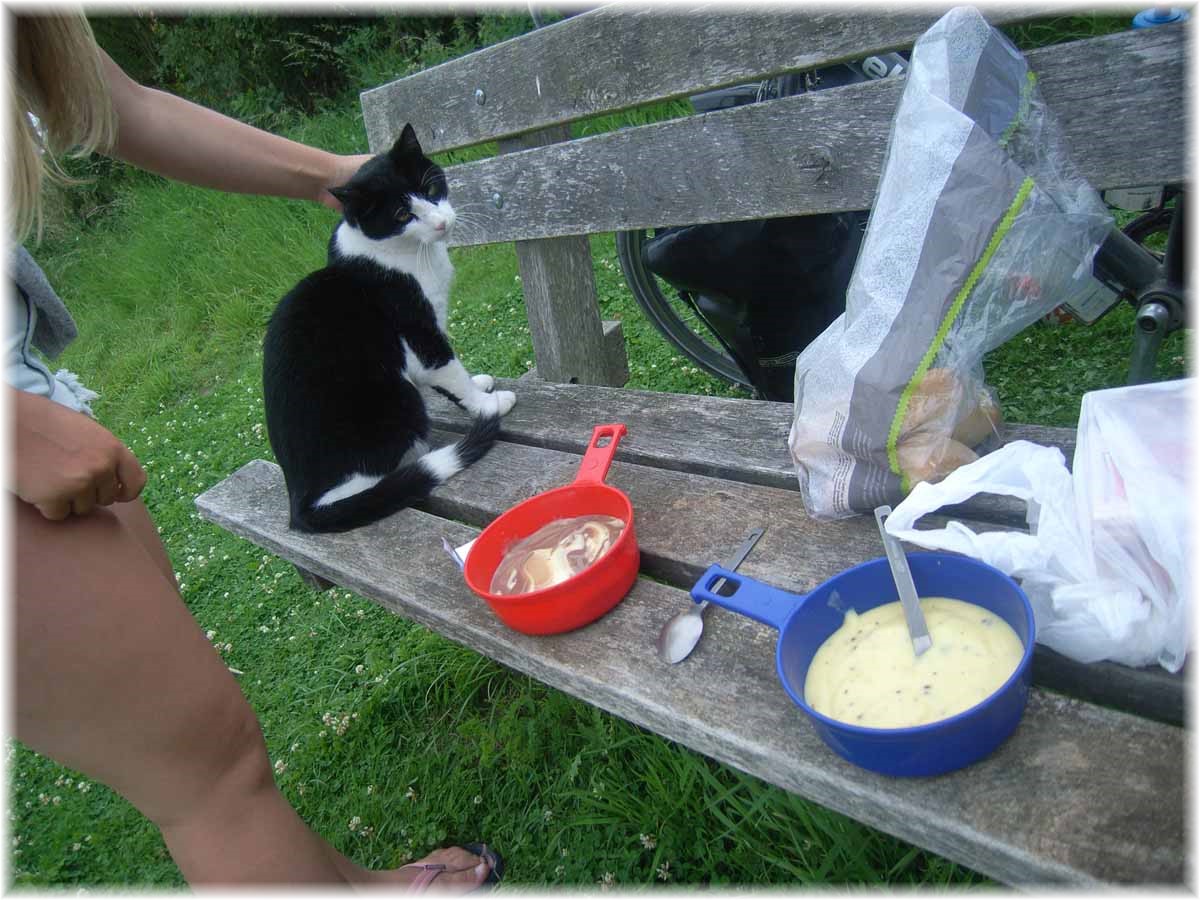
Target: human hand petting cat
<point>343,168</point>
<point>67,463</point>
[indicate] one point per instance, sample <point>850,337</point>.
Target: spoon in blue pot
<point>917,629</point>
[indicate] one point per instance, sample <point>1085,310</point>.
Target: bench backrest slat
<point>615,58</point>
<point>818,152</point>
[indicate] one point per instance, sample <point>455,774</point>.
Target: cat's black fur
<point>346,348</point>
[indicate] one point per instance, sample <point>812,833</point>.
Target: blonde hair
<point>59,78</point>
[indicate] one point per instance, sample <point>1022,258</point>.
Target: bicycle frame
<point>1156,288</point>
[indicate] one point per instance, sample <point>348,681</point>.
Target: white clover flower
<point>664,872</point>
<point>607,881</point>
<point>477,799</point>
<point>648,841</point>
<point>359,669</point>
<point>354,823</point>
<point>280,766</point>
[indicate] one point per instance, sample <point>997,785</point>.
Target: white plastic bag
<point>1105,562</point>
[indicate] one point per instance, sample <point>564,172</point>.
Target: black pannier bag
<point>765,288</point>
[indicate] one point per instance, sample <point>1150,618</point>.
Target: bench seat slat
<point>745,440</point>
<point>818,152</point>
<point>633,57</point>
<point>1078,794</point>
<point>724,437</point>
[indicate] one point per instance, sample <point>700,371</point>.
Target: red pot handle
<point>597,459</point>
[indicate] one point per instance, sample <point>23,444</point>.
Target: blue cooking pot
<point>805,621</point>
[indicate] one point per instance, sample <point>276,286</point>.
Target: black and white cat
<point>348,347</point>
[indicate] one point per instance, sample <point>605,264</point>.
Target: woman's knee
<point>225,758</point>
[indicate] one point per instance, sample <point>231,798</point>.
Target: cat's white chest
<point>435,274</point>
<point>428,263</point>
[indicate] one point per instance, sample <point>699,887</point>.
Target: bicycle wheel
<point>673,315</point>
<point>1150,229</point>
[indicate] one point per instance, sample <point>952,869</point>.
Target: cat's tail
<point>408,484</point>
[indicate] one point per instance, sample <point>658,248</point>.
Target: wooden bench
<point>1083,792</point>
<point>1089,789</point>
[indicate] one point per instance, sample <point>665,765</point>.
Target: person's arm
<point>181,140</point>
<point>65,462</point>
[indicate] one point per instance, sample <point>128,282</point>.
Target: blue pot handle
<point>759,601</point>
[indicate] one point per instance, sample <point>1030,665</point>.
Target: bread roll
<point>980,423</point>
<point>931,457</point>
<point>934,402</point>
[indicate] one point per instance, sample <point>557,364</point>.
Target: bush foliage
<point>264,69</point>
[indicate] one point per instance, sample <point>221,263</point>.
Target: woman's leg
<point>116,680</point>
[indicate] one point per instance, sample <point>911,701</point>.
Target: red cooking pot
<point>586,595</point>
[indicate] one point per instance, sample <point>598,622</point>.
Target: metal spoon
<point>917,629</point>
<point>681,633</point>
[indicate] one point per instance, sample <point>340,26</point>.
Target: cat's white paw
<point>484,382</point>
<point>500,402</point>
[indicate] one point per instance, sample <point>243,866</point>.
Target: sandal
<point>430,871</point>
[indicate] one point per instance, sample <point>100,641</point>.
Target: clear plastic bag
<point>980,226</point>
<point>1105,562</point>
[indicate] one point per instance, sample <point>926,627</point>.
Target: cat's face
<point>398,194</point>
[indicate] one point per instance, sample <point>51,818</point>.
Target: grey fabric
<point>55,328</point>
<point>983,182</point>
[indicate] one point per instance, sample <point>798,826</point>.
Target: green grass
<point>375,722</point>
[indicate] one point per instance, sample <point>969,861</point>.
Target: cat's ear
<point>355,201</point>
<point>407,144</point>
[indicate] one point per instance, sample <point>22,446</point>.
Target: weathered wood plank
<point>1078,794</point>
<point>723,437</point>
<point>687,522</point>
<point>820,152</point>
<point>559,287</point>
<point>631,57</point>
